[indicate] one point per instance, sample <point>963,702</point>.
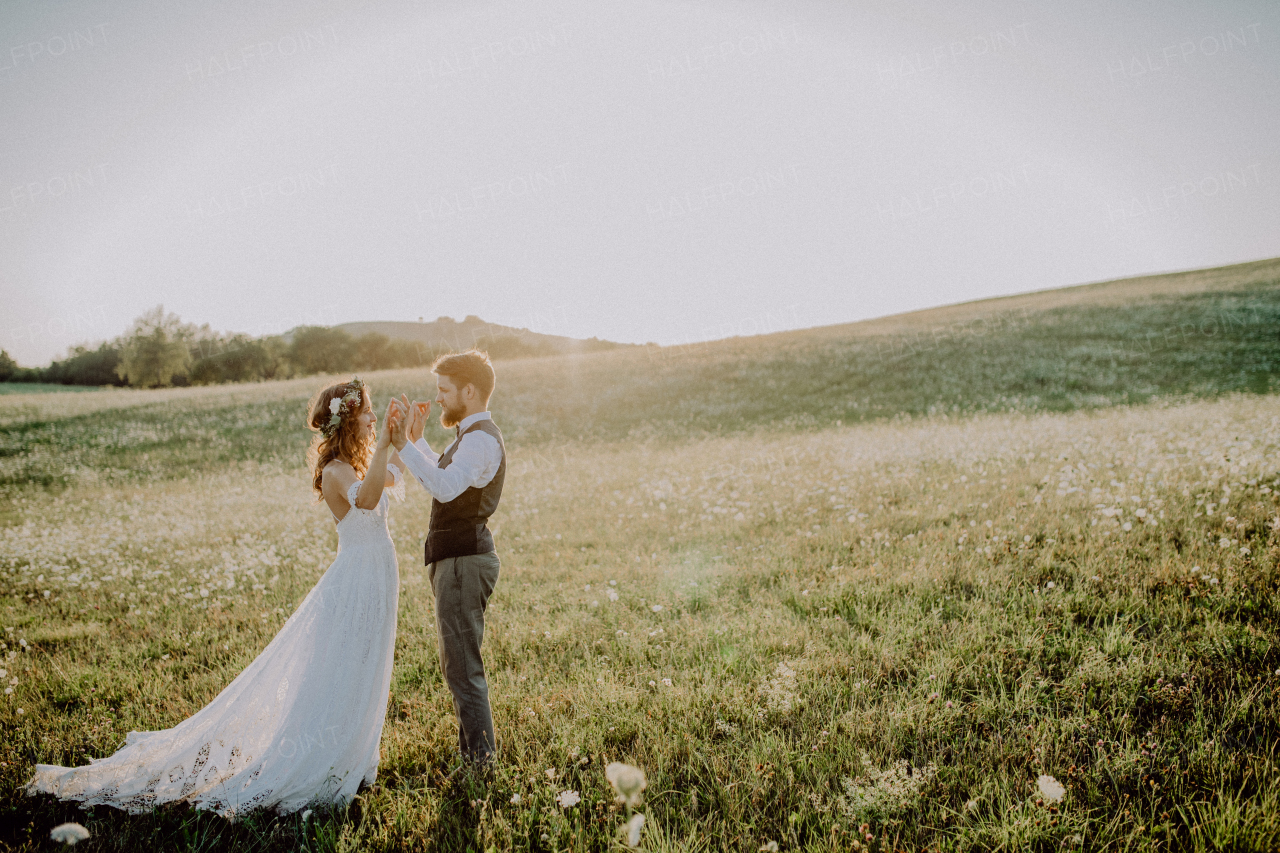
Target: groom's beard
<point>450,418</point>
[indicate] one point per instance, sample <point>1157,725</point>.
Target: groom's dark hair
<point>470,367</point>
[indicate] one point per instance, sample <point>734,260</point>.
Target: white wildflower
<point>769,847</point>
<point>633,829</point>
<point>779,692</point>
<point>334,405</point>
<point>657,608</point>
<point>628,782</point>
<point>883,793</point>
<point>568,799</point>
<point>69,833</point>
<point>515,799</point>
<point>1051,789</point>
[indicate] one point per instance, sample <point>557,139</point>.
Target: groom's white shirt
<point>474,463</point>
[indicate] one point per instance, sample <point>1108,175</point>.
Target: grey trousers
<point>462,586</point>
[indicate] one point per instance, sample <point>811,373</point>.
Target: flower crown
<point>340,405</point>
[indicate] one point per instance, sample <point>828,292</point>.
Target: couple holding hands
<point>300,726</point>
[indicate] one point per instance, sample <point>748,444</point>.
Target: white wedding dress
<point>299,726</point>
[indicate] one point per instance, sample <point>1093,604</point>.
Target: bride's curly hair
<point>347,441</point>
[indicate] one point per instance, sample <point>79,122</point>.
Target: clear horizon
<point>669,172</point>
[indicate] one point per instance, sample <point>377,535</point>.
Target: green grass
<point>1078,577</point>
<point>41,388</point>
<point>1079,357</point>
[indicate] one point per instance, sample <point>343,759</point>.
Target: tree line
<point>160,350</point>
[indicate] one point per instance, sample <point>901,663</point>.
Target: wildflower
<point>334,405</point>
<point>306,815</point>
<point>657,608</point>
<point>971,806</point>
<point>769,847</point>
<point>69,833</point>
<point>568,799</point>
<point>1051,789</point>
<point>552,773</point>
<point>613,595</point>
<point>633,829</point>
<point>628,782</point>
<point>1049,585</point>
<point>515,799</point>
<point>666,682</point>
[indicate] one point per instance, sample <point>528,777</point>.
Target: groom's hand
<point>418,413</point>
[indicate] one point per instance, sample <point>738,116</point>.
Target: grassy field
<point>39,388</point>
<point>808,621</point>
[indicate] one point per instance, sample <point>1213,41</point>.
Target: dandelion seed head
<point>1051,788</point>
<point>634,826</point>
<point>628,782</point>
<point>69,834</point>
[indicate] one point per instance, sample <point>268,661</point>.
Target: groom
<point>465,483</point>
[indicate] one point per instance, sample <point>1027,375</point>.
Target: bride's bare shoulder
<point>336,475</point>
<point>336,465</point>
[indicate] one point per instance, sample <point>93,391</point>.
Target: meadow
<point>815,625</point>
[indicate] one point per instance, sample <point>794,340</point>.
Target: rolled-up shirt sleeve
<point>472,465</point>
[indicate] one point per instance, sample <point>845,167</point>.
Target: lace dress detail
<point>299,727</point>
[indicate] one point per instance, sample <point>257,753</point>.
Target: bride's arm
<point>376,477</point>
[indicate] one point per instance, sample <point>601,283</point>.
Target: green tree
<point>373,352</point>
<point>319,349</point>
<point>8,366</point>
<point>155,350</point>
<point>85,366</point>
<point>231,358</point>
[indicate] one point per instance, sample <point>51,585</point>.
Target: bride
<point>300,725</point>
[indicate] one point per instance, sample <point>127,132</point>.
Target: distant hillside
<point>1124,291</point>
<point>448,335</point>
<point>1201,333</point>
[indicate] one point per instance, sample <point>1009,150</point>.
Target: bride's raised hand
<point>400,427</point>
<point>390,423</point>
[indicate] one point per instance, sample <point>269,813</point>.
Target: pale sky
<point>642,171</point>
